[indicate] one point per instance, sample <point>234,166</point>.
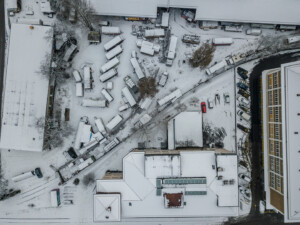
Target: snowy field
<point>181,75</point>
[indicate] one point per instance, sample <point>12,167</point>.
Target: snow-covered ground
<point>181,75</point>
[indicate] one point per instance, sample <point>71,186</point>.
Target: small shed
<point>94,37</point>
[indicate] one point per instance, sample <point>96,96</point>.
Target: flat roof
<point>142,196</point>
<point>185,130</point>
<point>26,89</point>
<point>290,75</point>
<point>248,11</point>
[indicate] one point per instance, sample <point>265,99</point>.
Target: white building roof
<point>185,130</point>
<point>26,89</point>
<point>138,187</point>
<point>290,76</point>
<point>254,11</point>
<point>107,207</point>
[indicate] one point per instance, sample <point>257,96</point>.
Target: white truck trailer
<point>222,41</point>
<point>88,102</point>
<point>153,33</point>
<point>108,97</point>
<point>109,65</point>
<point>137,68</point>
<point>127,94</point>
<point>77,76</point>
<point>108,75</point>
<point>114,122</point>
<point>216,67</point>
<point>87,77</point>
<point>100,125</point>
<point>114,52</point>
<point>170,97</point>
<point>79,89</point>
<point>113,42</point>
<point>111,30</point>
<point>172,50</point>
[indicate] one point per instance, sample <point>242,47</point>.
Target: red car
<point>203,107</point>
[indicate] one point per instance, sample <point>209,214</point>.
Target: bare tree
<point>147,87</point>
<point>89,178</point>
<point>270,43</point>
<point>203,56</point>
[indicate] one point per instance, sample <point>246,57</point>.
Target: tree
<point>147,87</point>
<point>203,56</point>
<point>89,178</point>
<point>270,43</point>
<point>83,9</point>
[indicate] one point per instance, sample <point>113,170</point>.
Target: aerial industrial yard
<point>149,112</point>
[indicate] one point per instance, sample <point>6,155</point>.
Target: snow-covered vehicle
<point>254,32</point>
<point>77,76</point>
<point>89,102</point>
<point>153,33</point>
<point>137,69</point>
<point>79,89</point>
<point>243,115</point>
<point>293,40</point>
<point>210,103</point>
<point>113,42</point>
<point>234,28</point>
<point>163,79</point>
<point>55,197</point>
<point>114,52</point>
<point>171,51</point>
<point>108,96</point>
<point>217,67</point>
<point>243,100</point>
<point>124,107</point>
<point>87,72</point>
<point>70,53</point>
<point>191,39</point>
<point>127,94</point>
<point>222,41</point>
<point>108,75</point>
<point>188,15</point>
<point>165,19</point>
<point>100,125</point>
<point>114,122</point>
<point>129,82</point>
<point>110,30</point>
<point>109,65</point>
<point>111,145</point>
<point>23,176</point>
<point>170,97</point>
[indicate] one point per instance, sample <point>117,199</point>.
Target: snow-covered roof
<point>290,77</point>
<point>147,177</point>
<point>254,11</point>
<point>107,207</point>
<point>26,89</point>
<point>185,130</point>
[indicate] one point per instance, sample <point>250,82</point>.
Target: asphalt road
<point>2,50</point>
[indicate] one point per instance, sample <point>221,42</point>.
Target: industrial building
<point>281,123</point>
<point>169,183</point>
<point>26,87</point>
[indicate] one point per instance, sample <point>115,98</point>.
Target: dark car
<point>241,127</point>
<point>243,73</point>
<point>242,107</point>
<point>203,107</point>
<point>72,153</point>
<point>38,172</point>
<point>243,93</point>
<point>242,86</point>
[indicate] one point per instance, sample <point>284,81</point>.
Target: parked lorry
<point>110,30</point>
<point>292,40</point>
<point>109,65</point>
<point>100,125</point>
<point>108,75</point>
<point>137,69</point>
<point>55,197</point>
<point>23,176</point>
<point>153,33</point>
<point>87,77</point>
<point>170,97</point>
<point>114,52</point>
<point>77,76</point>
<point>114,122</point>
<point>113,42</point>
<point>127,94</point>
<point>89,102</point>
<point>217,67</point>
<point>79,89</point>
<point>111,145</point>
<point>171,51</point>
<point>108,97</point>
<point>222,41</point>
<point>129,82</point>
<point>191,39</point>
<point>254,32</point>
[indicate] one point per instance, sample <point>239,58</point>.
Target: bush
<point>76,181</point>
<point>147,87</point>
<point>89,178</point>
<point>203,56</point>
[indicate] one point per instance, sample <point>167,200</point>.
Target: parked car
<point>242,86</point>
<point>244,177</point>
<point>244,116</point>
<point>243,100</point>
<point>226,97</point>
<point>242,107</point>
<point>203,107</point>
<point>241,127</point>
<point>242,73</point>
<point>246,193</point>
<point>242,70</point>
<point>72,153</point>
<point>38,172</point>
<point>243,93</point>
<point>210,103</point>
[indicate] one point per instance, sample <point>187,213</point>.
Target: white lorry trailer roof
<point>54,201</point>
<point>108,75</point>
<point>146,49</point>
<point>23,176</point>
<point>171,97</point>
<point>293,39</point>
<point>110,30</point>
<point>77,76</point>
<point>165,19</point>
<point>107,95</point>
<point>216,67</point>
<point>109,65</point>
<point>113,42</point>
<point>127,94</point>
<point>69,52</point>
<point>29,21</point>
<point>100,125</point>
<point>87,77</point>
<point>78,135</point>
<point>137,68</point>
<point>79,89</point>
<point>154,33</point>
<point>114,122</point>
<point>222,41</point>
<point>87,102</point>
<point>172,47</point>
<point>114,52</point>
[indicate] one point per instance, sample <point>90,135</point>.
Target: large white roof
<point>290,77</point>
<point>254,11</point>
<point>107,207</point>
<point>26,89</point>
<point>138,187</point>
<point>185,130</point>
